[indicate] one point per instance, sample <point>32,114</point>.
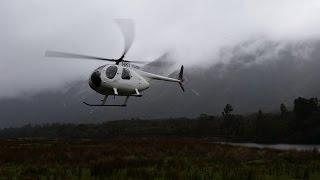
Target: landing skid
<point>116,105</point>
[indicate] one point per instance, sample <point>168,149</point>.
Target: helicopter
<point>123,77</point>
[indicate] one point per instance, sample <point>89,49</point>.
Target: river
<point>298,147</point>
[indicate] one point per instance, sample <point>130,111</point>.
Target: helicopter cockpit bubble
<point>95,79</point>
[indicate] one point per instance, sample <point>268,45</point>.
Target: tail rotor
<point>180,78</point>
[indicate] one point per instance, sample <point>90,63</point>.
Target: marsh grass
<point>150,158</point>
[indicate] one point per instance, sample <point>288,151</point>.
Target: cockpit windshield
<point>111,71</point>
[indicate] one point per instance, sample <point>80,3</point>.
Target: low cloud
<point>196,31</point>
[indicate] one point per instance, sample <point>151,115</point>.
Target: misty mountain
<point>252,75</point>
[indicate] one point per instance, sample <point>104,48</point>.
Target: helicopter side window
<point>126,74</point>
<point>111,71</point>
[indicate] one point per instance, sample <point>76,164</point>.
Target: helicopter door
<point>126,74</point>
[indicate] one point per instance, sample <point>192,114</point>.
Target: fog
<point>252,54</point>
<point>194,31</point>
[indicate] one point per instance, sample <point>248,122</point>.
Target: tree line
<point>300,125</point>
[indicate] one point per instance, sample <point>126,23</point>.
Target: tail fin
<point>181,78</point>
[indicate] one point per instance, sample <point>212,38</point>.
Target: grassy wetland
<point>180,148</point>
<point>150,158</point>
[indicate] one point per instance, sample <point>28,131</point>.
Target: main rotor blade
<point>163,65</point>
<point>164,61</point>
<point>136,62</point>
<point>127,28</point>
<point>76,56</point>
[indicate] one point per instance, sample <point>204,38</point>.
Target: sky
<point>194,31</point>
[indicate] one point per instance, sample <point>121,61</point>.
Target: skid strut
<point>104,100</point>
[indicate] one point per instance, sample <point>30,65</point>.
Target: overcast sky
<point>194,30</point>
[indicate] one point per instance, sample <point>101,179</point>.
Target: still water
<point>298,147</point>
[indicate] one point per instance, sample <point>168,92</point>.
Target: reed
<point>150,158</point>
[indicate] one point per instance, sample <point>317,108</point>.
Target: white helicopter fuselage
<point>122,80</point>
